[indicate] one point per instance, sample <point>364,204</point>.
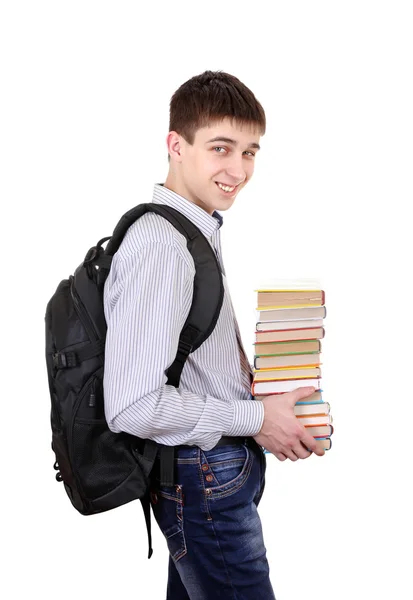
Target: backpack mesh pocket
<point>100,457</point>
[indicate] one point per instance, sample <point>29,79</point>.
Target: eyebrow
<point>233,142</point>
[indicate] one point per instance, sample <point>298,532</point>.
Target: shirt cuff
<point>248,417</point>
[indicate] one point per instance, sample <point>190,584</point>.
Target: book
<point>284,348</point>
<point>291,314</point>
<point>272,298</point>
<point>320,430</point>
<point>314,398</point>
<point>325,443</point>
<point>286,373</point>
<point>289,334</point>
<point>268,362</point>
<point>281,325</point>
<point>315,419</point>
<point>270,387</point>
<point>316,409</point>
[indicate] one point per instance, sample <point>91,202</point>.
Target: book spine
<point>260,396</point>
<point>289,368</point>
<point>310,427</point>
<point>293,329</point>
<point>315,411</point>
<point>304,402</point>
<point>292,378</point>
<point>285,354</point>
<point>279,367</point>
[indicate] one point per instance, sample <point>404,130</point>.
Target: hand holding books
<point>282,433</point>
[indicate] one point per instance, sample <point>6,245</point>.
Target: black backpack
<point>100,469</point>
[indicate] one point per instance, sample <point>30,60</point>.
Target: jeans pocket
<point>225,469</point>
<point>167,506</point>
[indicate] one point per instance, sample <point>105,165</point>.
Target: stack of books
<point>287,353</point>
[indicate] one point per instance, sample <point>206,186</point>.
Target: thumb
<point>301,393</point>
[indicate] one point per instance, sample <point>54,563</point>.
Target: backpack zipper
<point>92,396</point>
<point>81,311</point>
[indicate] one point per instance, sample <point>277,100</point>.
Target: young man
<point>209,517</point>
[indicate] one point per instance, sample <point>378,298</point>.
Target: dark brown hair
<point>210,97</point>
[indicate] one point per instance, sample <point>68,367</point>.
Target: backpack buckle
<point>63,360</point>
<point>59,360</point>
<point>184,347</point>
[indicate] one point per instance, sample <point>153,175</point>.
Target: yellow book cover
<point>309,366</point>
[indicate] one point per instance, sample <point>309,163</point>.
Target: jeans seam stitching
<point>181,522</point>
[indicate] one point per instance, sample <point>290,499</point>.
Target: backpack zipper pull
<point>92,397</point>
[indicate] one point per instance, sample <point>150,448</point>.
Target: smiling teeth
<point>226,188</point>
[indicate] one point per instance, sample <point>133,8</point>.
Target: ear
<point>174,143</point>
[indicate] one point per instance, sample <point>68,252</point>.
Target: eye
<point>249,152</point>
<point>219,148</point>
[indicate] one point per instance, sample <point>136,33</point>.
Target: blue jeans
<point>211,524</point>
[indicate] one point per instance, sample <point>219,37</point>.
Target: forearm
<point>173,417</point>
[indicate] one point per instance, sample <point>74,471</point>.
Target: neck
<point>175,185</point>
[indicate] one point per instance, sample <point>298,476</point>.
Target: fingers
<point>290,454</point>
<point>302,451</point>
<point>298,451</point>
<point>311,443</point>
<point>320,449</point>
<point>301,393</point>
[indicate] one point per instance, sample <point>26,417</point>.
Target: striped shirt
<point>147,298</point>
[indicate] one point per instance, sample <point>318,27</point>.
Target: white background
<point>84,116</point>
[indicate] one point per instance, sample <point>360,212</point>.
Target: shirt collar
<point>208,224</point>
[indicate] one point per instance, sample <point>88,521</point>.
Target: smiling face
<point>220,162</point>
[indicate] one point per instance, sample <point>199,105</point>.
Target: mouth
<point>228,190</point>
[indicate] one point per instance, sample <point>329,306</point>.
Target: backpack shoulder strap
<point>208,285</point>
<point>206,304</point>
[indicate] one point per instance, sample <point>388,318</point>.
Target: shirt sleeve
<point>147,301</point>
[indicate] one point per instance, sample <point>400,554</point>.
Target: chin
<point>224,206</point>
<point>217,204</point>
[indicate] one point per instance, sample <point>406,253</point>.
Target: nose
<point>235,170</point>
